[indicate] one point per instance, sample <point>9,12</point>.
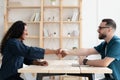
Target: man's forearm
<point>79,52</point>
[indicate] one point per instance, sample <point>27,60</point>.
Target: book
<point>37,16</point>
<point>46,33</point>
<point>75,16</point>
<point>32,17</point>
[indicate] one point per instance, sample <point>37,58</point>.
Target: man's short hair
<point>110,22</point>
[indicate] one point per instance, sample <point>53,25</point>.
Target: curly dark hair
<point>15,31</point>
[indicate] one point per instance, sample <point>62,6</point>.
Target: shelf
<point>51,37</point>
<point>71,37</point>
<point>45,19</point>
<point>71,7</point>
<point>35,37</point>
<point>28,22</point>
<point>51,6</point>
<point>71,22</point>
<point>23,7</point>
<point>51,22</point>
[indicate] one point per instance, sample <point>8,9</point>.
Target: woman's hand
<point>41,63</point>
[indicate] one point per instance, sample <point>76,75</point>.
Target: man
<point>109,49</point>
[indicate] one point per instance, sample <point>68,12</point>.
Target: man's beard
<point>102,36</point>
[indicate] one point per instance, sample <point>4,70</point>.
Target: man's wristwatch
<point>85,61</point>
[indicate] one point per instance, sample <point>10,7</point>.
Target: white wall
<point>93,12</point>
<point>110,9</point>
<point>89,17</point>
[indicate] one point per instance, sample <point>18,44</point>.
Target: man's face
<point>102,30</point>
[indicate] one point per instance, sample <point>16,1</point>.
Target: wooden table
<point>69,67</point>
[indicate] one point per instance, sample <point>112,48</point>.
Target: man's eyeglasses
<point>102,27</point>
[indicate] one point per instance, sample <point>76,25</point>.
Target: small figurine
<point>68,19</point>
<point>54,34</point>
<point>68,35</point>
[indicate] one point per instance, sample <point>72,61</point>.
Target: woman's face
<point>25,33</point>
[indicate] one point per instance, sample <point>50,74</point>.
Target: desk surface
<point>64,66</point>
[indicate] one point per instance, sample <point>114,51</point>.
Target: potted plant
<point>53,2</point>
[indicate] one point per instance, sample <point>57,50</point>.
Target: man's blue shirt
<point>113,51</point>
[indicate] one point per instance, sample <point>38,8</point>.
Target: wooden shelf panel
<point>23,7</point>
<point>28,22</point>
<point>35,37</point>
<point>51,6</point>
<point>51,37</point>
<point>71,22</point>
<point>49,22</point>
<point>71,7</point>
<point>71,37</point>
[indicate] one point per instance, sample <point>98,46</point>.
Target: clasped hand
<point>61,53</point>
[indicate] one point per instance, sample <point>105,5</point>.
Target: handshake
<point>61,53</point>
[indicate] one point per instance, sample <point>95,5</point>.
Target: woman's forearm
<point>50,51</point>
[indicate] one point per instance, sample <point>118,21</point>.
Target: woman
<point>15,52</point>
